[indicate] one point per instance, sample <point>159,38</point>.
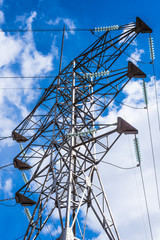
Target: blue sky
<point>38,54</point>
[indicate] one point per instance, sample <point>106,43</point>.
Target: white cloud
<point>55,22</point>
<point>20,50</point>
<point>125,30</point>
<point>1,2</point>
<point>21,19</point>
<point>34,62</point>
<point>124,187</point>
<point>136,56</point>
<point>2,19</point>
<point>10,48</point>
<point>102,236</point>
<point>121,186</point>
<point>8,187</point>
<point>67,21</point>
<point>30,20</point>
<point>47,229</point>
<point>57,231</point>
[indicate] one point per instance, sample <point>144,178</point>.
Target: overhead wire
<point>126,105</point>
<point>124,52</point>
<point>43,77</point>
<point>152,56</point>
<point>151,143</point>
<point>48,30</point>
<point>138,61</point>
<point>20,237</point>
<point>6,199</point>
<point>141,173</point>
<point>7,170</point>
<point>3,138</point>
<point>146,203</point>
<point>4,166</point>
<point>137,185</point>
<point>6,205</point>
<point>52,76</point>
<point>19,88</point>
<point>117,166</point>
<point>61,30</point>
<point>92,30</point>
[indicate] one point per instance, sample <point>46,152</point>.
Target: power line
<point>28,76</point>
<point>126,105</point>
<point>151,141</point>
<point>20,237</point>
<point>121,27</point>
<point>1,167</point>
<point>57,30</point>
<point>6,165</point>
<point>125,168</point>
<point>47,30</point>
<point>7,199</point>
<point>18,88</point>
<point>6,205</point>
<point>138,61</point>
<point>137,185</point>
<point>146,203</point>
<point>153,157</point>
<point>3,138</point>
<point>41,88</point>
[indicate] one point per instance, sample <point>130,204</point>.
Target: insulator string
<point>152,56</point>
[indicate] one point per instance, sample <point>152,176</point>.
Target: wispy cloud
<point>1,2</point>
<point>20,50</point>
<point>30,20</point>
<point>124,186</point>
<point>48,229</point>
<point>10,48</point>
<point>2,19</point>
<point>136,56</point>
<point>7,188</point>
<point>67,21</point>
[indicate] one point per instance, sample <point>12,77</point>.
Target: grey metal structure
<point>64,141</point>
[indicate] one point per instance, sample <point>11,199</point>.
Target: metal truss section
<point>64,141</point>
<point>99,57</point>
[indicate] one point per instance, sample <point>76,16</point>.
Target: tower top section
<point>142,27</point>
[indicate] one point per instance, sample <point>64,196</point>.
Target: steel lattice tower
<point>64,142</point>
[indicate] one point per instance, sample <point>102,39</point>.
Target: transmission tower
<point>64,141</point>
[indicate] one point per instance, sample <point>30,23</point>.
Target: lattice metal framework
<point>64,141</point>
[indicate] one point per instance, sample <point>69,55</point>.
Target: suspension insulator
<point>137,149</point>
<point>151,48</point>
<point>109,28</point>
<point>28,214</point>
<point>96,74</point>
<point>145,93</point>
